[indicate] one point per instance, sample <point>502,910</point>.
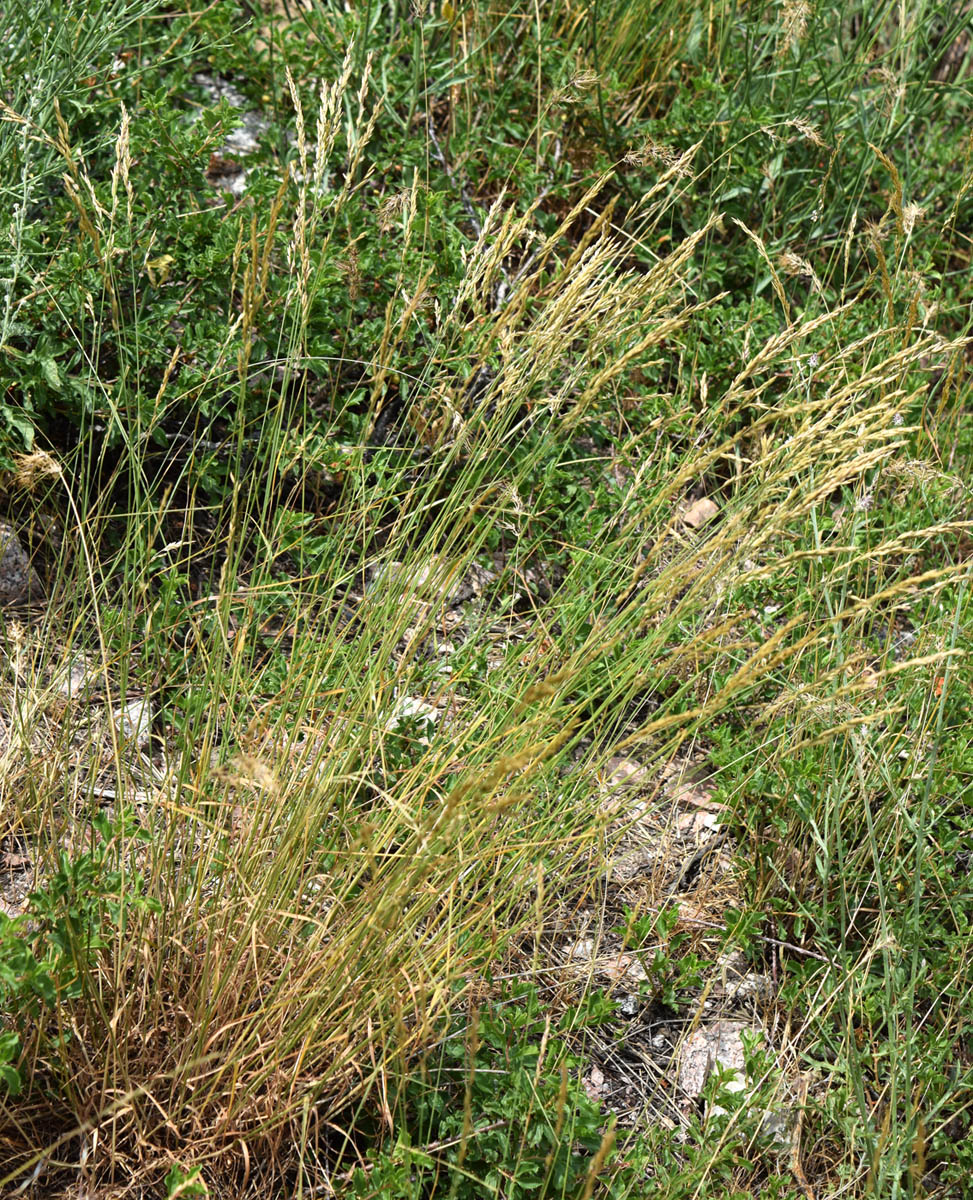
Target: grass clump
<point>462,450</point>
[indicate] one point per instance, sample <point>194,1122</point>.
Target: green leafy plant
<point>498,1110</point>
<point>182,1182</point>
<point>49,955</point>
<point>510,289</point>
<point>659,947</point>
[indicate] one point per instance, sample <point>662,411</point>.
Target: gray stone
<point>224,173</point>
<point>134,721</point>
<point>779,1129</point>
<point>719,1044</point>
<point>628,1006</point>
<point>738,983</point>
<point>19,582</point>
<point>75,679</point>
<point>433,581</point>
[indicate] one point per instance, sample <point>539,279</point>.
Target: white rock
<point>582,950</point>
<point>720,1044</point>
<point>434,581</point>
<point>595,1084</point>
<point>628,1006</point>
<point>410,708</point>
<point>134,721</point>
<point>220,89</point>
<point>696,824</point>
<point>625,968</point>
<point>74,678</point>
<point>717,1045</point>
<point>779,1127</point>
<point>224,173</point>
<point>246,139</point>
<point>739,984</point>
<point>623,773</point>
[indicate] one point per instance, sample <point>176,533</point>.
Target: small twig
<point>797,1169</point>
<point>228,444</point>
<point>460,187</point>
<point>762,937</point>
<point>692,867</point>
<point>505,288</point>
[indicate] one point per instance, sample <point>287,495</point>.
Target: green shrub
<point>49,955</point>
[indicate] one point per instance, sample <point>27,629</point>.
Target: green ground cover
<point>418,415</point>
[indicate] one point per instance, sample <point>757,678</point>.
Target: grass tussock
<point>397,494</point>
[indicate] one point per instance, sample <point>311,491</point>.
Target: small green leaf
<point>23,425</point>
<point>51,372</point>
<point>10,1076</point>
